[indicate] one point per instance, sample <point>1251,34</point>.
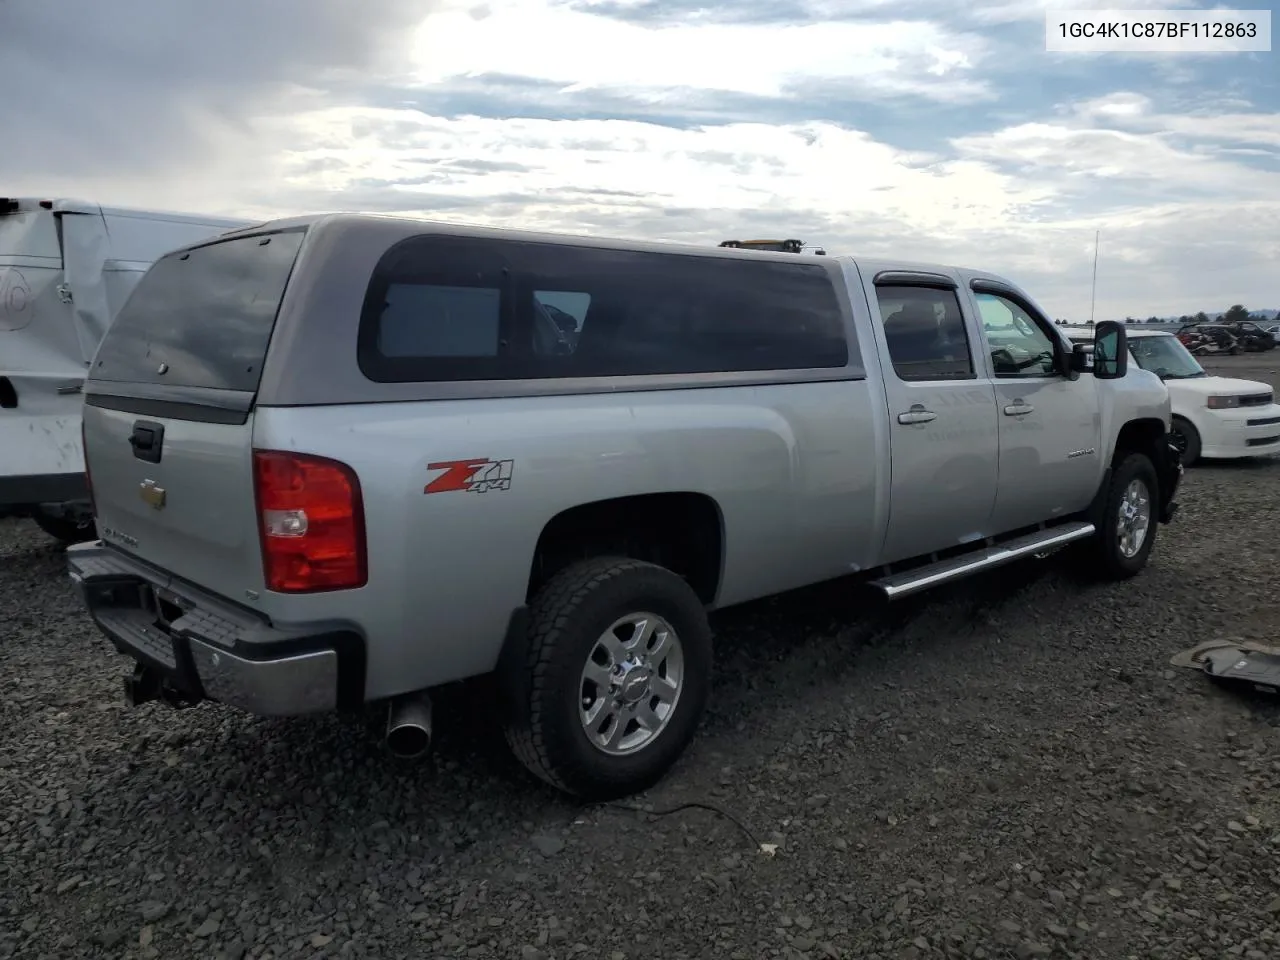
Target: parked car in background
<point>375,463</point>
<point>1206,339</point>
<point>1232,338</point>
<point>1220,417</point>
<point>66,267</point>
<point>1253,336</point>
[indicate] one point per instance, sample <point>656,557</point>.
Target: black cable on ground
<point>693,805</point>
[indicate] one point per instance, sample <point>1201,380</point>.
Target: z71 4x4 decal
<point>475,476</point>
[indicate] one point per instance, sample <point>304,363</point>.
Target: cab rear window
<point>202,317</point>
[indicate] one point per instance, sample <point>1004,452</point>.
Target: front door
<point>942,420</point>
<point>1050,426</point>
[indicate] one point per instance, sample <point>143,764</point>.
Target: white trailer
<point>66,268</point>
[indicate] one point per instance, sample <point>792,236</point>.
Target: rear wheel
<point>616,678</point>
<point>66,529</point>
<point>1186,440</point>
<point>1127,531</point>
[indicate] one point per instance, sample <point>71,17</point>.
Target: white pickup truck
<point>408,453</point>
<point>66,267</point>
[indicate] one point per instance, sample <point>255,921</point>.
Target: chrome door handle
<point>1019,408</point>
<point>917,414</point>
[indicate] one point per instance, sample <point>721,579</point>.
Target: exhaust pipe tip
<point>408,740</point>
<point>409,726</point>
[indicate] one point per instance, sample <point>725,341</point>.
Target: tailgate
<point>168,417</point>
<point>190,512</point>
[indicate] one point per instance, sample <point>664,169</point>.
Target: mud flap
<point>512,668</point>
<point>1169,472</point>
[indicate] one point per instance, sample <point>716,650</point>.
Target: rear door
<point>168,410</point>
<point>942,416</point>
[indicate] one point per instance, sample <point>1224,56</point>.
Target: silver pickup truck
<point>345,459</point>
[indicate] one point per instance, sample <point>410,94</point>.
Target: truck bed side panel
<point>792,468</point>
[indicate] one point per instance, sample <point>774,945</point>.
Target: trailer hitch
<point>145,685</point>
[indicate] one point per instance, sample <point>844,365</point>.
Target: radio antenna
<point>1093,293</point>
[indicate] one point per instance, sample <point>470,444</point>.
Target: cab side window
<point>924,330</point>
<point>1019,347</point>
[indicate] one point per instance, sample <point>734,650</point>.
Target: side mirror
<point>1080,360</point>
<point>1110,350</point>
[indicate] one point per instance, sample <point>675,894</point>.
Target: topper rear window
<point>202,317</point>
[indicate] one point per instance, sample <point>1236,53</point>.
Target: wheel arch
<point>683,531</point>
<point>1148,436</point>
<point>1142,435</point>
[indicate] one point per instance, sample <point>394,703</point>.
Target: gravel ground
<point>1006,768</point>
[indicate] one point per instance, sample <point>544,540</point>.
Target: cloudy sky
<point>884,128</point>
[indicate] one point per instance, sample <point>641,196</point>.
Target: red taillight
<point>88,477</point>
<point>312,522</point>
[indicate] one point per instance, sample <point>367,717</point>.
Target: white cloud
<point>839,187</point>
<point>735,167</point>
<point>1188,207</point>
<point>981,12</point>
<point>1223,119</point>
<point>1195,232</point>
<point>1103,153</point>
<point>132,87</point>
<point>1120,105</point>
<point>1011,11</point>
<point>530,38</point>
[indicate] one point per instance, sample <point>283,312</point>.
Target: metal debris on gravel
<point>1003,769</point>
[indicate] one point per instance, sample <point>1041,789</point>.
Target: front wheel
<point>617,674</point>
<point>1127,531</point>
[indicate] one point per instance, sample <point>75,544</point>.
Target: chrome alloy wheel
<point>1134,518</point>
<point>631,684</point>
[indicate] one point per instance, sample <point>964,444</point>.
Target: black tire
<point>1108,560</point>
<point>568,617</point>
<point>66,530</point>
<point>1187,440</point>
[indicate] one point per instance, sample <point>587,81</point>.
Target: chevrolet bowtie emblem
<point>151,494</point>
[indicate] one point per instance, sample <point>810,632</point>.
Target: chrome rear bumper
<point>207,648</point>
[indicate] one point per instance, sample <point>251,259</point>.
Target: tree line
<point>1236,313</point>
